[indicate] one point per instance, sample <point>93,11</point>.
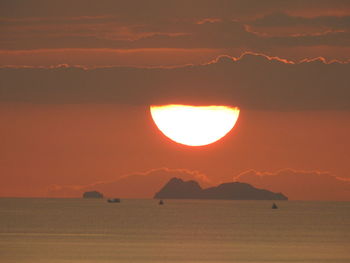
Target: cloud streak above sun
<point>254,26</point>
<point>252,81</point>
<point>228,33</point>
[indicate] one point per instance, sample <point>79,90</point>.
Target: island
<point>92,194</point>
<point>178,189</point>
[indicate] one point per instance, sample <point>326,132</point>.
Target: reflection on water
<point>77,230</point>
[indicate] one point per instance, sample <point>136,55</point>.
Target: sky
<point>77,79</point>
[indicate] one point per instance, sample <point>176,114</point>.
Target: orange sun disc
<point>194,125</point>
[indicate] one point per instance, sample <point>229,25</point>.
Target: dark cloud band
<point>251,82</point>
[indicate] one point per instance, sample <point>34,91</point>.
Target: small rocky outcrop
<point>92,194</point>
<point>179,189</point>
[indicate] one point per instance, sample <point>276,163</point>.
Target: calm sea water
<point>76,230</point>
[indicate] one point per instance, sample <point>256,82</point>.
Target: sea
<point>39,230</point>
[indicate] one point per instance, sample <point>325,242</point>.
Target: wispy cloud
<point>135,185</point>
<point>252,81</point>
<point>300,185</point>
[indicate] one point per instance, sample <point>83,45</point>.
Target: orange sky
<point>84,144</point>
<point>76,81</point>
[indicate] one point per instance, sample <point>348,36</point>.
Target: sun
<point>194,125</point>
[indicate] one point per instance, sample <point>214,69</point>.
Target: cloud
<point>80,33</point>
<point>285,20</point>
<point>202,24</point>
<point>135,10</point>
<point>220,33</point>
<point>328,38</point>
<point>296,184</point>
<point>300,185</point>
<point>252,81</point>
<point>136,185</point>
<point>233,34</point>
<point>208,34</point>
<point>93,58</point>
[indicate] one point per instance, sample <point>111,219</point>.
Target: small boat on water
<point>161,202</point>
<point>274,206</point>
<point>113,200</point>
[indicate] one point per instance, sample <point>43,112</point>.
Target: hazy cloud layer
<point>135,10</point>
<point>250,82</point>
<point>297,185</point>
<point>82,32</point>
<point>170,24</point>
<point>300,185</point>
<point>137,185</point>
<point>285,20</point>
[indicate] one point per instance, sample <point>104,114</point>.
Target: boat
<point>113,200</point>
<point>274,206</point>
<point>161,202</point>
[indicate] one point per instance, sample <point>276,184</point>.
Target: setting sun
<point>194,125</point>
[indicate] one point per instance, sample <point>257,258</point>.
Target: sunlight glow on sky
<point>194,125</point>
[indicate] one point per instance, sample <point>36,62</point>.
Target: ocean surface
<point>186,231</point>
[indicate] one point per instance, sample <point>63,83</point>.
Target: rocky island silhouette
<point>178,189</point>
